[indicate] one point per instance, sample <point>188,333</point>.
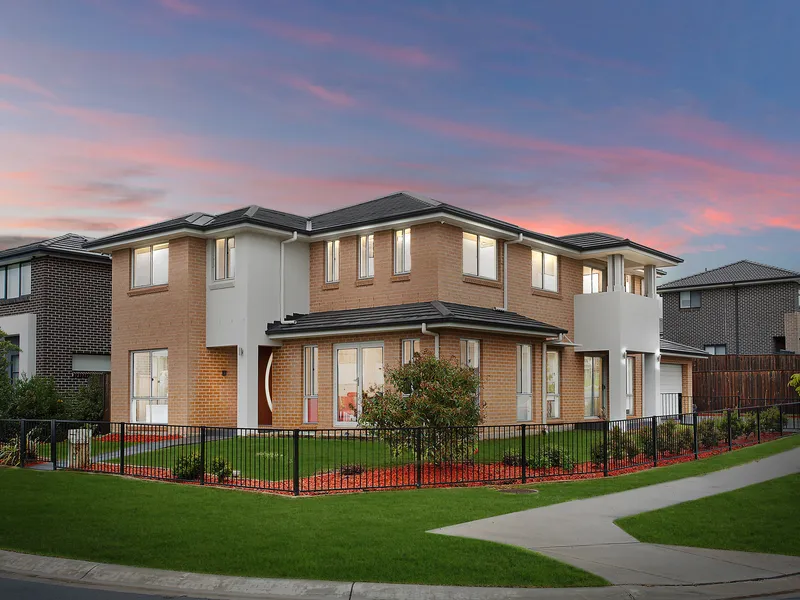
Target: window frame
<point>556,395</point>
<point>23,267</point>
<point>629,285</point>
<point>715,347</point>
<point>359,347</point>
<point>153,385</point>
<point>228,272</point>
<point>630,385</point>
<point>524,381</point>
<point>542,273</point>
<point>310,358</point>
<point>416,348</point>
<point>478,238</point>
<point>332,257</point>
<point>402,259</point>
<point>151,248</point>
<point>692,296</point>
<point>10,358</point>
<point>366,246</point>
<point>601,279</point>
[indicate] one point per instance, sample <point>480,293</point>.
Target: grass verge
<point>356,537</point>
<point>757,518</point>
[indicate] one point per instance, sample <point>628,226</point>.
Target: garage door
<point>671,386</point>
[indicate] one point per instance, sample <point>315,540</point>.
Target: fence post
<point>418,455</point>
<point>53,452</point>
<point>605,448</point>
<point>524,455</point>
<point>655,441</point>
<point>694,426</point>
<point>780,420</point>
<point>202,455</point>
<point>23,444</point>
<point>758,424</point>
<point>296,465</point>
<point>122,448</point>
<point>730,431</point>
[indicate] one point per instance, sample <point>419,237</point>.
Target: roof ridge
<point>737,262</point>
<point>50,241</point>
<point>443,310</point>
<point>760,264</point>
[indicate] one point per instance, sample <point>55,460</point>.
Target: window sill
<point>222,284</point>
<point>365,281</point>
<point>334,285</point>
<point>153,289</point>
<point>546,294</point>
<point>25,298</point>
<point>401,277</point>
<point>492,283</point>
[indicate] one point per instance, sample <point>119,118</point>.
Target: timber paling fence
<point>295,461</point>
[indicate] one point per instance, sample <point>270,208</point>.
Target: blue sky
<point>673,123</point>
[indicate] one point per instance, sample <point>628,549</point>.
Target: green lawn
<point>270,458</point>
<point>757,518</point>
<point>379,536</point>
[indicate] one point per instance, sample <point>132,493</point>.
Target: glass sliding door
<point>149,386</point>
<point>592,386</point>
<point>359,371</point>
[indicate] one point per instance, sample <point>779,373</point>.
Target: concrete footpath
<point>17,568</point>
<point>582,532</point>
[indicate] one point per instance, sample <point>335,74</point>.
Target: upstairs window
<point>150,266</point>
<point>716,349</point>
<point>366,256</point>
<point>402,251</point>
<point>15,280</point>
<point>545,271</point>
<point>225,259</point>
<point>592,280</point>
<point>332,261</point>
<point>690,299</point>
<point>480,256</point>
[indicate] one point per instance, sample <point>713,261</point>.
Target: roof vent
<point>251,211</point>
<point>308,224</point>
<point>204,220</point>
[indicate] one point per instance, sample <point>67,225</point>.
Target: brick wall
<point>72,303</point>
<point>761,317</point>
<point>172,317</point>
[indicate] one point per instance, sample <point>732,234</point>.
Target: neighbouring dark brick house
<point>55,304</point>
<point>741,308</point>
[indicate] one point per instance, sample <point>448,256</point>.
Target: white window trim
<point>630,378</point>
<point>315,383</point>
<point>370,260</point>
<point>151,397</point>
<point>463,363</point>
<point>601,279</point>
<point>404,360</point>
<point>226,274</point>
<point>332,250</point>
<point>21,280</point>
<point>478,237</point>
<point>543,255</point>
<point>521,379</point>
<point>554,397</point>
<point>406,241</point>
<point>359,391</point>
<point>152,263</point>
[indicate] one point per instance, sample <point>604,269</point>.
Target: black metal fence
<point>675,403</point>
<point>337,460</point>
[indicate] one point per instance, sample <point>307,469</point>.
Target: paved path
<point>582,532</point>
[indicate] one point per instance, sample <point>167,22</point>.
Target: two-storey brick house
<point>261,318</point>
<point>55,305</point>
<point>741,308</point>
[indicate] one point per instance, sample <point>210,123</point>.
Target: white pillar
<point>651,386</point>
<point>247,386</point>
<point>650,281</point>
<point>617,380</point>
<point>616,273</point>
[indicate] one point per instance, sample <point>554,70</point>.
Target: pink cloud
<point>27,85</point>
<point>182,7</point>
<point>326,95</point>
<point>101,118</point>
<point>7,106</point>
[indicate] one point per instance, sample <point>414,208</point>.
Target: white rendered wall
<point>24,326</point>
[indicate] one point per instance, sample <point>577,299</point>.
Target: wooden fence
<point>747,376</point>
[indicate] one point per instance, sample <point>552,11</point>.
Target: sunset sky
<point>676,124</point>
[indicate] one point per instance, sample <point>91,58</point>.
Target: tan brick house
<point>260,318</point>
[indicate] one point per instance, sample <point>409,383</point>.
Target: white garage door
<point>671,386</point>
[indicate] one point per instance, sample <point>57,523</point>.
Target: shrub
<point>748,424</point>
<point>771,419</point>
<point>89,402</point>
<point>557,457</point>
<point>35,398</point>
<point>708,433</point>
<point>794,383</point>
<point>9,453</point>
<point>436,394</point>
<point>674,437</point>
<point>354,469</point>
<point>621,445</point>
<point>221,468</point>
<point>188,467</point>
<point>511,458</point>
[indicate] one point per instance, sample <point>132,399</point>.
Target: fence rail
<point>294,461</point>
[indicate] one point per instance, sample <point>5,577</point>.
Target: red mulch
<point>404,477</point>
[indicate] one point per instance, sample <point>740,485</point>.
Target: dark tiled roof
<point>597,240</point>
<point>401,204</point>
<point>67,244</point>
<point>670,347</point>
<point>744,271</point>
<point>416,313</point>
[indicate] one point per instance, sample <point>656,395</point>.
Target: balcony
<point>617,320</point>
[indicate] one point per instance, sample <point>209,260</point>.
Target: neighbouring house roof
<point>744,271</point>
<point>69,245</point>
<point>434,314</point>
<point>400,205</point>
<point>670,348</point>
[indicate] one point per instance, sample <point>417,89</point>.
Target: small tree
<point>794,382</point>
<point>431,393</point>
<point>6,386</point>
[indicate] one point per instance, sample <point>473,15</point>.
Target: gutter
<point>283,279</point>
<point>505,268</point>
<point>435,338</point>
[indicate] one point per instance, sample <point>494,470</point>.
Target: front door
<point>264,385</point>
<point>359,371</point>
